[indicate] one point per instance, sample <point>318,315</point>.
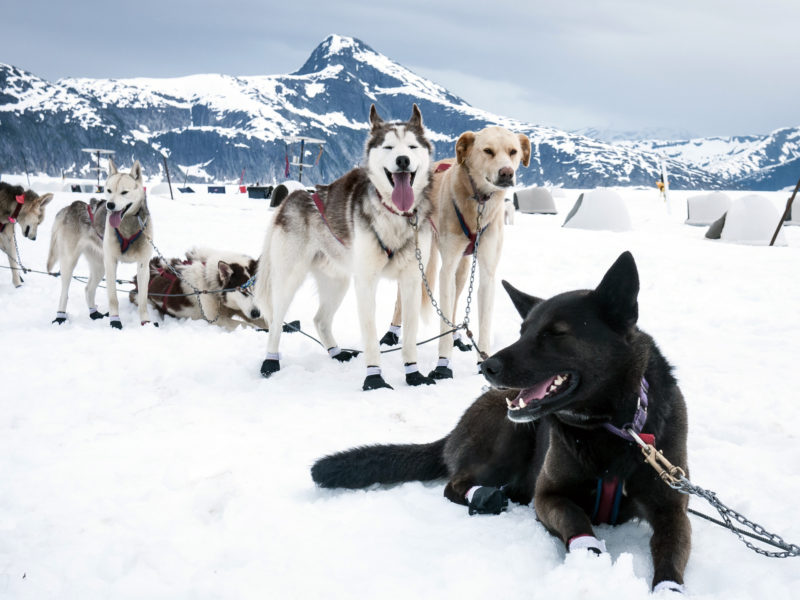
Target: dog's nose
<point>505,176</point>
<point>111,206</point>
<point>403,162</point>
<point>491,367</point>
<point>255,313</point>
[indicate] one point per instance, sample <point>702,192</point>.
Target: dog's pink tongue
<point>402,194</point>
<point>538,391</point>
<point>115,218</point>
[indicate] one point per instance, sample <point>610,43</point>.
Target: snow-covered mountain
<point>210,127</point>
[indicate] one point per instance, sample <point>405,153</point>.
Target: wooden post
<point>169,183</point>
<point>302,148</point>
<point>786,213</point>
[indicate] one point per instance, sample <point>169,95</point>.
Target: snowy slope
<point>157,463</point>
<point>222,124</point>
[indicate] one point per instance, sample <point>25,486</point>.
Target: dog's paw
<point>417,378</point>
<point>60,320</point>
<point>148,323</point>
<point>116,323</point>
<point>668,586</point>
<point>486,500</point>
<point>390,338</point>
<point>375,382</point>
<point>586,542</point>
<point>291,327</point>
<point>346,355</point>
<point>457,343</point>
<point>441,372</point>
<point>270,366</point>
<point>96,314</point>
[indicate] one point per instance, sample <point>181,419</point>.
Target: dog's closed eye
<point>489,151</point>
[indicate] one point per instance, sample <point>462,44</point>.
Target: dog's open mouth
<point>115,216</point>
<point>543,398</point>
<point>402,194</point>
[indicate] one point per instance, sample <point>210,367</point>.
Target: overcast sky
<point>706,67</point>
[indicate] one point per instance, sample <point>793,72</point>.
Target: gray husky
<point>363,225</point>
<point>22,207</point>
<point>106,232</point>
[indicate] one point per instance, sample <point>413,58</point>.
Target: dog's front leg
<point>366,286</point>
<point>5,244</point>
<point>111,287</point>
<point>447,300</point>
<point>558,512</point>
<point>670,544</point>
<point>411,297</point>
<point>488,257</point>
<point>143,281</point>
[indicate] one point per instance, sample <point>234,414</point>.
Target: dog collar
<point>476,195</point>
<point>639,419</point>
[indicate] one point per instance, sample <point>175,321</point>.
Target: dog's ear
<point>374,118</point>
<point>225,272</point>
<point>463,145</point>
<point>416,116</point>
<point>618,293</point>
<point>525,143</point>
<point>112,168</point>
<point>136,171</point>
<point>522,302</point>
<point>43,200</point>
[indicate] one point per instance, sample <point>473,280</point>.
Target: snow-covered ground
<point>157,463</point>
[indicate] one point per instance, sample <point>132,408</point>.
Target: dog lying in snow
<point>207,270</point>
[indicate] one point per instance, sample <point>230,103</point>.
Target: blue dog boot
<point>414,377</point>
<point>442,370</point>
<point>391,337</point>
<point>374,380</point>
<point>342,355</point>
<point>116,323</point>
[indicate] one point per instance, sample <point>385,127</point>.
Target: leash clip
<point>669,473</point>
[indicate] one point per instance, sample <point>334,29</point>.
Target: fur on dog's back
<point>74,227</point>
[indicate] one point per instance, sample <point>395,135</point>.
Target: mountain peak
<point>335,49</point>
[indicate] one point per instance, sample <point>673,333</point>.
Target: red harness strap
<point>321,208</point>
<point>443,167</point>
<point>13,218</point>
<point>169,276</point>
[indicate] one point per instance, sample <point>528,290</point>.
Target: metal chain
<point>16,247</point>
<point>684,486</point>
<point>675,478</point>
<point>465,323</point>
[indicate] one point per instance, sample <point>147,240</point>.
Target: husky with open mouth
<point>557,428</point>
<point>106,232</point>
<point>364,226</point>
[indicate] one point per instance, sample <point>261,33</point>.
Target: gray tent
<point>535,200</point>
<point>706,208</point>
<point>751,219</point>
<point>600,209</point>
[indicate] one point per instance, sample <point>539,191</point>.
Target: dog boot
<point>95,314</point>
<point>374,380</point>
<point>290,327</point>
<point>115,322</point>
<point>459,343</point>
<point>442,370</point>
<point>486,500</point>
<point>272,364</point>
<point>342,355</point>
<point>61,317</point>
<point>391,337</point>
<point>414,377</point>
<point>672,586</point>
<point>586,542</point>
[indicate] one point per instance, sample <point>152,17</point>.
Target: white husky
<point>363,225</point>
<point>106,233</point>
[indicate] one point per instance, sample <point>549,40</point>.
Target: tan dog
<point>22,207</point>
<point>476,182</point>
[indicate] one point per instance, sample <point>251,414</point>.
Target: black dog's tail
<point>361,467</point>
